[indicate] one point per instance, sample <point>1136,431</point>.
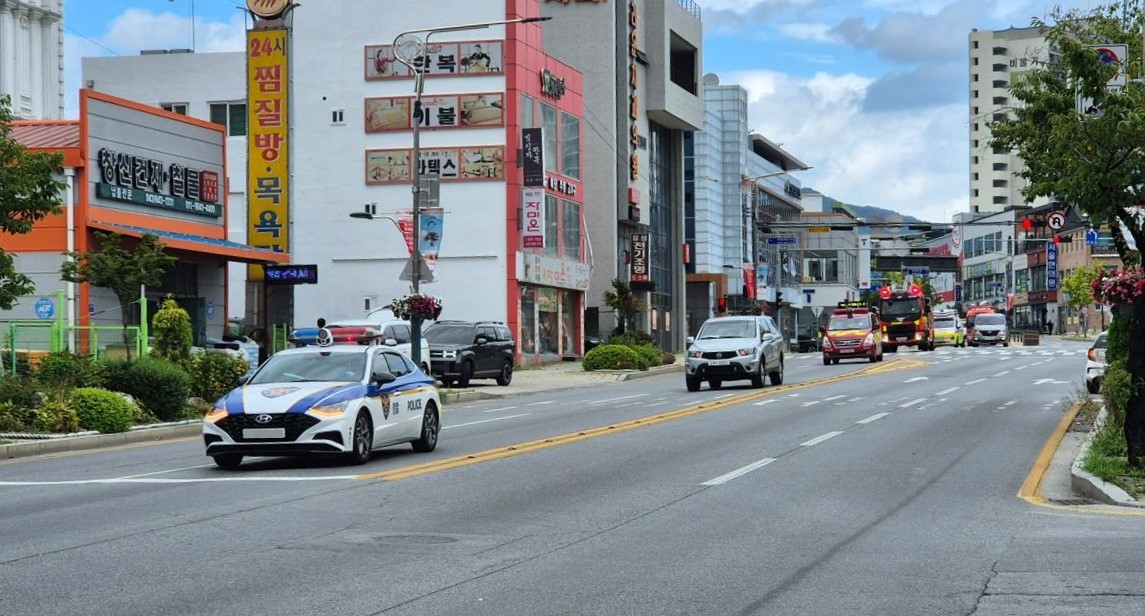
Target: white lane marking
<point>763,402</point>
<point>158,480</point>
<point>975,381</point>
<point>873,418</point>
<point>1010,403</point>
<point>173,470</point>
<point>503,408</point>
<point>947,391</point>
<point>811,403</point>
<point>722,396</point>
<point>917,378</point>
<point>906,405</point>
<point>834,398</point>
<point>474,423</point>
<point>1020,368</point>
<point>739,471</point>
<point>617,399</point>
<point>1002,373</point>
<point>540,403</point>
<point>820,439</point>
<point>659,403</point>
<point>855,399</point>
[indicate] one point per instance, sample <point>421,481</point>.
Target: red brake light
<point>1092,355</point>
<point>915,289</point>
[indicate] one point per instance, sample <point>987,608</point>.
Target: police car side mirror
<point>381,377</point>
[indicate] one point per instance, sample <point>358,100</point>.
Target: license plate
<point>901,338</point>
<point>846,350</point>
<point>264,432</point>
<point>718,362</point>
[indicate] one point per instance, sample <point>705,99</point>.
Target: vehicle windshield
<point>326,366</point>
<point>901,309</point>
<point>450,334</point>
<point>727,329</point>
<point>1100,342</point>
<point>990,319</point>
<point>944,324</point>
<point>841,323</point>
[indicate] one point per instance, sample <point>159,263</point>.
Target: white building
<point>31,58</point>
<point>209,86</point>
<point>997,59</point>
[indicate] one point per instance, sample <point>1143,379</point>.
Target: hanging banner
<point>533,213</point>
<point>431,221</point>
<point>268,173</point>
<point>533,153</point>
<point>749,280</point>
<point>639,257</point>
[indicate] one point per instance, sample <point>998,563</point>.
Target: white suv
<point>734,349</point>
<point>394,332</point>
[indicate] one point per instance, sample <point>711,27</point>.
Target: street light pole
<point>410,49</point>
<point>749,183</point>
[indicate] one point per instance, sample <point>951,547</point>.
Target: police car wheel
<point>360,440</point>
<point>228,461</point>
<point>430,427</point>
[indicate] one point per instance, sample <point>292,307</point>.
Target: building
<point>997,59</point>
<point>737,182</point>
<point>131,169</point>
<point>210,87</point>
<point>643,95</point>
<point>31,57</point>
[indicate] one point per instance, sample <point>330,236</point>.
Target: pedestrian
<point>1050,327</point>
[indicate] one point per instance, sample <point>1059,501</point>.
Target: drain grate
<point>1072,501</point>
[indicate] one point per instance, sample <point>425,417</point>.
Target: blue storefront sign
<point>1051,267</point>
<point>45,308</point>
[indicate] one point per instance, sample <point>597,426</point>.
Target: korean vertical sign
<point>268,173</point>
<point>639,258</point>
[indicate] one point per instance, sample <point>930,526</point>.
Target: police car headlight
<point>216,413</point>
<point>336,409</point>
<point>449,354</point>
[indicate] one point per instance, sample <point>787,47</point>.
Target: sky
<point>873,94</point>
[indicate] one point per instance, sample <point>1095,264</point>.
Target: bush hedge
<point>214,374</point>
<point>612,357</point>
<point>56,416</point>
<point>159,386</point>
<point>650,354</point>
<point>102,410</point>
<point>65,371</point>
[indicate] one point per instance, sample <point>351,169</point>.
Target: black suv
<point>464,350</point>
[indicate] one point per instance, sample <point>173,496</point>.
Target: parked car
<point>325,398</point>
<point>460,351</point>
<point>379,327</point>
<point>1095,365</point>
<point>734,348</point>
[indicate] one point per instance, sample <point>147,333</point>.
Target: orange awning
<point>232,251</point>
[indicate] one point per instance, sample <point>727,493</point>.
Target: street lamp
<point>192,23</point>
<point>410,49</point>
<point>749,184</point>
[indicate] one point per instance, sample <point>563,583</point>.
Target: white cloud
<point>817,33</point>
<point>897,161</point>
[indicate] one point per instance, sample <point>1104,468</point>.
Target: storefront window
<point>570,324</point>
<point>570,145</point>
<point>549,133</point>
<point>526,338</point>
<point>552,226</point>
<point>548,328</point>
<point>570,230</point>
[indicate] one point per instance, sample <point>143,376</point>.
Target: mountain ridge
<point>869,213</point>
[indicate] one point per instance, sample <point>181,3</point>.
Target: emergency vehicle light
<point>915,289</point>
<point>885,292</point>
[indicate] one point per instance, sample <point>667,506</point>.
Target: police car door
<point>387,420</point>
<point>408,395</point>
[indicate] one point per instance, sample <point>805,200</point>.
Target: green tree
<point>1079,286</point>
<point>1093,159</point>
<point>29,191</point>
<point>122,271</point>
<point>171,327</point>
<point>622,300</point>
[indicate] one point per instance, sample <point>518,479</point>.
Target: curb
<point>470,395</point>
<point>145,434</point>
<point>1094,487</point>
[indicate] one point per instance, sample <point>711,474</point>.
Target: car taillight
<point>1093,355</point>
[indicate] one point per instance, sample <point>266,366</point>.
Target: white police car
<point>344,399</point>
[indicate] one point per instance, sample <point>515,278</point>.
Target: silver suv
<point>734,349</point>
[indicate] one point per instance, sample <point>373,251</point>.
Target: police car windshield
<point>727,329</point>
<point>325,366</point>
<point>840,323</point>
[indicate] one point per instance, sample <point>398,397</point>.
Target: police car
<point>327,398</point>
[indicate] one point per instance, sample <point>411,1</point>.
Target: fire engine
<point>904,312</point>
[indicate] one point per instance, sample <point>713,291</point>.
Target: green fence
<point>30,340</point>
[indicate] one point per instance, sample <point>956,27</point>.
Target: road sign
<point>45,308</point>
<point>1091,236</point>
<point>819,229</point>
<point>1056,220</point>
<point>918,271</point>
<point>783,239</point>
<point>424,273</point>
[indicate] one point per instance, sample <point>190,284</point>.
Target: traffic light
<point>1063,239</point>
<point>722,303</point>
<point>1027,224</point>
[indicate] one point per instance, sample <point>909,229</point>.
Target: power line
<point>91,40</point>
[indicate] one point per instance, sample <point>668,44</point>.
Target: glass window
<point>570,322</point>
<point>570,146</point>
<point>231,115</point>
<point>528,319</point>
<point>179,108</point>
<point>552,224</point>
<point>570,230</point>
<point>396,365</point>
<point>528,114</point>
<point>549,130</point>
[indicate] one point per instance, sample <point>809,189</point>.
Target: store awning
<point>232,251</point>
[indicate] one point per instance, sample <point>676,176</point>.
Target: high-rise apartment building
<point>31,57</point>
<point>997,59</point>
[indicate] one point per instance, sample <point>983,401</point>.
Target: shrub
<point>648,353</point>
<point>1116,386</point>
<point>667,358</point>
<point>18,391</point>
<point>631,339</point>
<point>172,328</point>
<point>214,374</point>
<point>159,386</point>
<point>56,416</point>
<point>612,357</point>
<point>67,371</point>
<point>102,410</point>
<point>16,418</point>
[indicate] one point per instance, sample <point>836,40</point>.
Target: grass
<point>1106,459</point>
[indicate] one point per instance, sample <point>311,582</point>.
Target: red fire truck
<point>904,312</point>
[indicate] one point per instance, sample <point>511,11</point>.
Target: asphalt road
<point>884,488</point>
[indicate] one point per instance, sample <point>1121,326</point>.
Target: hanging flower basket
<point>1122,289</point>
<point>424,307</point>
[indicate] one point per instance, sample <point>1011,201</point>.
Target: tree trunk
<point>125,312</point>
<point>1135,409</point>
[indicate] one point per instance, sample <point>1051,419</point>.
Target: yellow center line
<point>508,451</point>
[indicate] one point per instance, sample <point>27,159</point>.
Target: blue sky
<point>871,93</point>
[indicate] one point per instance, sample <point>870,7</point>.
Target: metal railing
<point>691,7</point>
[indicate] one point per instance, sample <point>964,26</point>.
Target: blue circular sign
<point>45,308</point>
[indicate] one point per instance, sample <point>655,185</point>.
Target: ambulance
<point>852,332</point>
